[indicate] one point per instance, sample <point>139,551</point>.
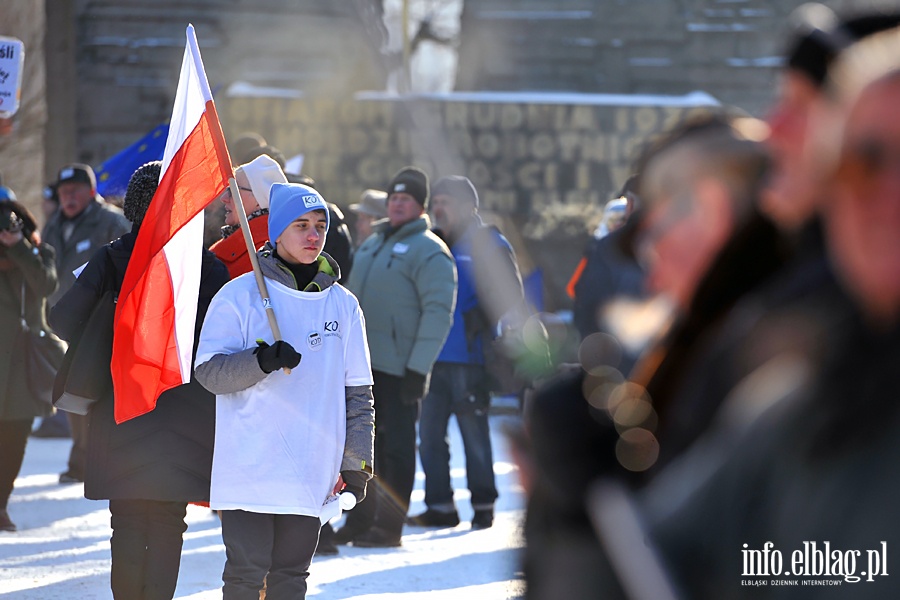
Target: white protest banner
<point>12,59</point>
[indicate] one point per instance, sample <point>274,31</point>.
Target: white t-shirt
<point>280,442</point>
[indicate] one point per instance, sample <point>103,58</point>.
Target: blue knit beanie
<point>287,202</point>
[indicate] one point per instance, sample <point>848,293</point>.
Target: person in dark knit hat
<point>413,182</point>
<point>271,487</point>
<point>152,466</point>
<point>405,279</point>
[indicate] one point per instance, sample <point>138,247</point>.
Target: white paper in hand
<point>331,508</point>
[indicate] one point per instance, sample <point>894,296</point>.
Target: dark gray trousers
<point>257,544</point>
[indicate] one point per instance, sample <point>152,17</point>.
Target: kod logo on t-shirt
<point>314,341</point>
<point>332,329</point>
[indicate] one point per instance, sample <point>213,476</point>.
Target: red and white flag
<point>154,327</point>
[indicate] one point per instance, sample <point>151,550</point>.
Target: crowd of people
<point>738,310</point>
<point>243,437</point>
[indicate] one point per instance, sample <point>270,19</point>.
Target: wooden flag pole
<point>251,250</point>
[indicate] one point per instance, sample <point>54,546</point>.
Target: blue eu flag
<point>113,174</point>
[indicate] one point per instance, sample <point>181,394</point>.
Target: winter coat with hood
<point>405,280</point>
<point>165,454</point>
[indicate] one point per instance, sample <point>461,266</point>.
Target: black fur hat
<point>141,187</point>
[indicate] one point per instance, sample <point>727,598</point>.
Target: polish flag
<point>154,326</point>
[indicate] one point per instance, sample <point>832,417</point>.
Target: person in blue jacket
<point>489,288</point>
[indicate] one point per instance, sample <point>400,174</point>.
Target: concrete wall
<point>543,165</point>
<point>22,148</point>
<point>728,48</point>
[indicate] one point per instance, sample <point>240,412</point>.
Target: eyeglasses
<point>863,160</point>
<point>228,190</point>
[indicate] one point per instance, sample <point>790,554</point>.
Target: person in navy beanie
<point>405,280</point>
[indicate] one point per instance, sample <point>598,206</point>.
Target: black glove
<point>412,388</point>
<point>355,483</point>
<point>277,356</point>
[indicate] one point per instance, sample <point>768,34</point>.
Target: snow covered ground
<point>61,550</point>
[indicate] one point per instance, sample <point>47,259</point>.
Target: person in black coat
<point>152,466</point>
<point>27,277</point>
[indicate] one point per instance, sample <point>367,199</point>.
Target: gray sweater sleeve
<point>231,373</point>
<point>359,447</point>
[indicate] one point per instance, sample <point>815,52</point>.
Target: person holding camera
<point>27,277</point>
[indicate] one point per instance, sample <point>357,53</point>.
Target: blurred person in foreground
<point>814,470</point>
<point>405,279</point>
<point>769,291</point>
<point>698,184</point>
<point>285,441</point>
<point>773,277</point>
<point>83,223</point>
<point>797,180</point>
<point>760,303</point>
<point>372,207</point>
<point>489,290</point>
<point>27,274</point>
<point>152,466</point>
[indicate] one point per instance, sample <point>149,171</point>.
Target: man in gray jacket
<point>81,225</point>
<point>405,279</point>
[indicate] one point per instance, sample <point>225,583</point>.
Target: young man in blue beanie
<point>285,442</point>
